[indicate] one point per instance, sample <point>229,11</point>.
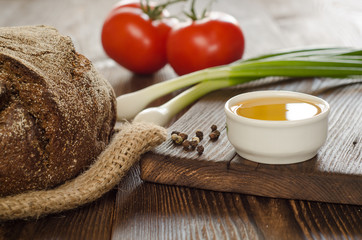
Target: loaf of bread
<point>57,112</point>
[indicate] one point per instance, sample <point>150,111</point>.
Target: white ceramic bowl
<point>277,142</point>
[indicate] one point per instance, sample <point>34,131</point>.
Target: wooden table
<point>143,210</point>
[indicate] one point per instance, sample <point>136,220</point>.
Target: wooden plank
<point>334,175</point>
<point>158,211</point>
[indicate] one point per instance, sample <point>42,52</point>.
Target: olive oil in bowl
<point>277,108</point>
<point>276,127</point>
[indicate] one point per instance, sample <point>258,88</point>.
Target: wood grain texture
<point>186,213</point>
<point>143,210</point>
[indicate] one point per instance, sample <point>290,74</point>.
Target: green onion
<point>163,114</point>
<point>318,62</point>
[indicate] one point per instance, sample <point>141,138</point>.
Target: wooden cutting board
<point>334,175</point>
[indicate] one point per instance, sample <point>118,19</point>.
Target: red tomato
<point>134,40</point>
<point>214,40</point>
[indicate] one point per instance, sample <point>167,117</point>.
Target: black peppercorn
<point>183,135</point>
<point>186,144</point>
<point>214,135</point>
<point>200,149</point>
<point>178,140</point>
<point>199,134</point>
<point>174,137</point>
<point>175,132</point>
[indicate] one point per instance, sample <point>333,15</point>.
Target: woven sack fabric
<point>124,150</point>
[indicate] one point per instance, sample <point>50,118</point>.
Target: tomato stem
<point>193,15</point>
<point>156,12</point>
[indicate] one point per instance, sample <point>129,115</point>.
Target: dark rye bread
<point>56,112</point>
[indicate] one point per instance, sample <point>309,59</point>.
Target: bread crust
<point>57,112</point>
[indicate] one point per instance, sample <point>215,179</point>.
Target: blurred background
<point>267,24</point>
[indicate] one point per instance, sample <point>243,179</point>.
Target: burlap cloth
<point>124,150</point>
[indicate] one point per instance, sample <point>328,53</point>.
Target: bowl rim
<point>274,93</point>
